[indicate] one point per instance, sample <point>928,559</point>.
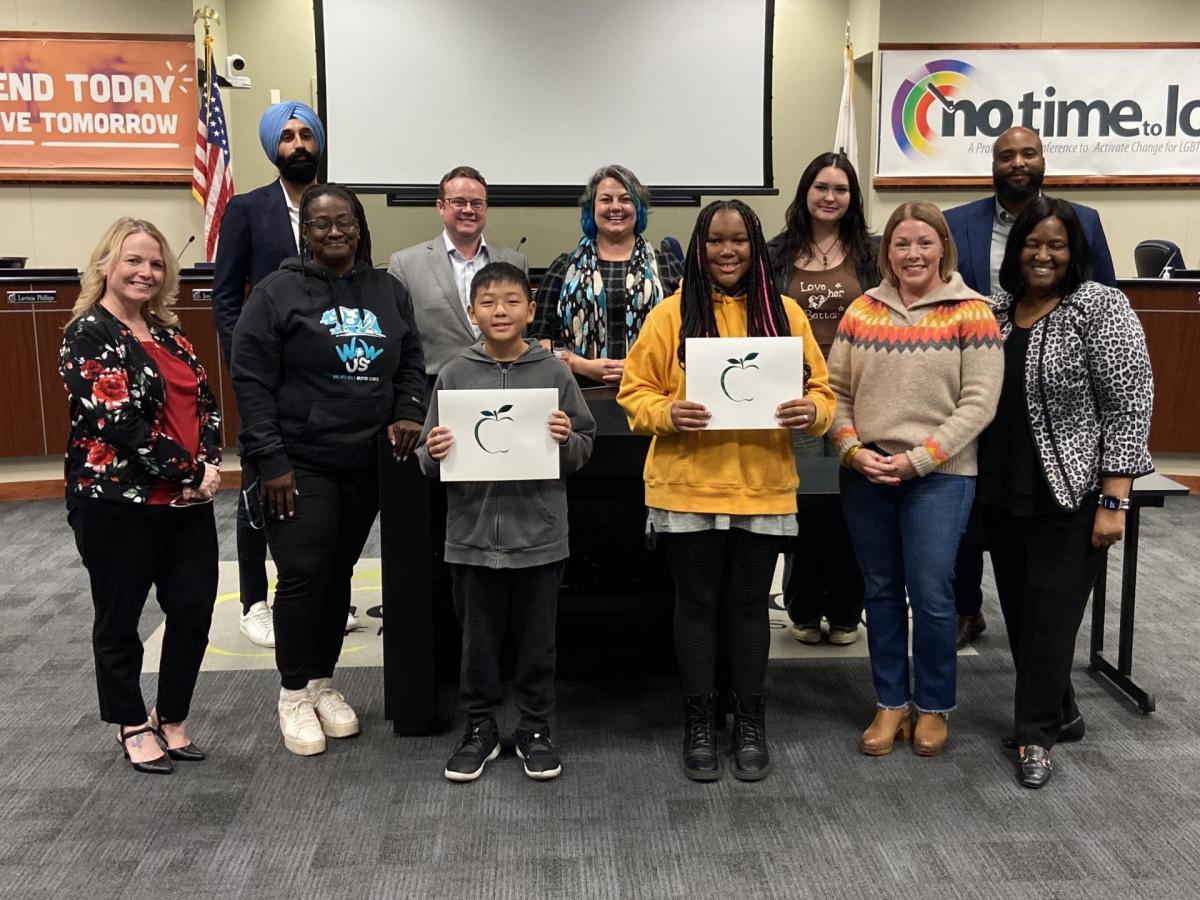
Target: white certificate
<point>742,380</point>
<point>499,435</point>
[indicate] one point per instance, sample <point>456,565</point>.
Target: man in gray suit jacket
<point>438,272</point>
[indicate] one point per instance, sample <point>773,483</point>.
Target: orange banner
<point>88,103</point>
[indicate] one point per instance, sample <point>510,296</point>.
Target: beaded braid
<point>363,250</point>
<point>765,315</point>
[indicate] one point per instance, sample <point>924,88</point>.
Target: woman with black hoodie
<point>325,357</point>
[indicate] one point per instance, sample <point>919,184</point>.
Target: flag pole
<point>208,15</point>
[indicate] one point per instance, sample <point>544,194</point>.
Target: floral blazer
<point>117,448</point>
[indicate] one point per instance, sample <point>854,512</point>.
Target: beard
<point>1017,195</point>
<point>299,168</point>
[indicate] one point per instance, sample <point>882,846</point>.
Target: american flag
<point>212,171</point>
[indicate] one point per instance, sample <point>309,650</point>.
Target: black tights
<point>715,570</point>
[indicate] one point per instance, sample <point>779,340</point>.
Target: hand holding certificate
<point>747,383</point>
<point>498,435</point>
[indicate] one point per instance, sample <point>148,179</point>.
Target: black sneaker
<point>537,750</point>
<point>480,744</point>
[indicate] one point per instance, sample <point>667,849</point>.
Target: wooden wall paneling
<point>54,401</point>
<point>21,427</point>
<point>1170,315</point>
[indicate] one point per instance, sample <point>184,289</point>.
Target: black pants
<point>127,548</point>
<point>1045,567</point>
<point>968,567</point>
<point>715,570</point>
<point>251,551</point>
<point>521,604</point>
<point>823,578</point>
<point>314,554</point>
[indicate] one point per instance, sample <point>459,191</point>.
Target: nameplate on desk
<point>15,297</point>
<point>202,294</point>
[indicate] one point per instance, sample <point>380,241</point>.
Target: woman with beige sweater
<point>916,368</point>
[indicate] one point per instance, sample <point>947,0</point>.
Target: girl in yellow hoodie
<point>722,501</point>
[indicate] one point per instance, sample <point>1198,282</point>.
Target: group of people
<point>970,371</point>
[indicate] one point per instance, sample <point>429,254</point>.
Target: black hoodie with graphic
<point>322,364</point>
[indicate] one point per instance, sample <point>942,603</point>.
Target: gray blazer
<point>424,269</point>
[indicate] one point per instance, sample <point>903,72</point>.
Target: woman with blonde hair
<point>142,465</point>
<point>916,367</point>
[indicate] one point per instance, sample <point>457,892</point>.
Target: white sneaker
<point>351,621</point>
<point>258,625</point>
<point>299,723</point>
<point>338,720</point>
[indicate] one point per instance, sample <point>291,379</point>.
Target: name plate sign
<point>15,297</point>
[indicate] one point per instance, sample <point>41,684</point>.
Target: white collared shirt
<point>293,214</point>
<point>464,269</point>
<point>1002,223</point>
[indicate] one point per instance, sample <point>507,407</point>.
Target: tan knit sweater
<point>922,381</point>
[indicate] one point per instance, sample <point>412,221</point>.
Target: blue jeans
<point>906,539</point>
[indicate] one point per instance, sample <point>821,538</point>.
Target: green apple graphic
<point>490,415</point>
<point>737,365</point>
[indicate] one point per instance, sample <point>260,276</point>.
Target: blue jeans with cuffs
<point>906,538</point>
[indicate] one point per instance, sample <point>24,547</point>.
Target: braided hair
<point>765,315</point>
<point>315,192</point>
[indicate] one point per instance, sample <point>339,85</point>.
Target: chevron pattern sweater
<point>922,380</point>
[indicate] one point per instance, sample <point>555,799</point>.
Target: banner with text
<point>1100,112</point>
<point>83,103</point>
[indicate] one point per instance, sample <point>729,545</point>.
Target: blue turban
<point>272,123</point>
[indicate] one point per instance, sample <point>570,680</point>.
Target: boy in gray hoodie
<point>506,541</point>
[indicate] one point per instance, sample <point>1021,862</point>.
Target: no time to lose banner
<point>1108,112</point>
<point>68,103</point>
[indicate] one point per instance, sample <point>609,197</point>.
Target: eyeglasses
<point>321,224</point>
<point>461,203</point>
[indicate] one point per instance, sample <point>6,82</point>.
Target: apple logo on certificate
<point>493,416</point>
<point>735,378</point>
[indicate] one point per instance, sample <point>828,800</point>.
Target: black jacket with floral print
<point>118,448</point>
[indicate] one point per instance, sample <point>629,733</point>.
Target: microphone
<point>523,239</point>
<point>186,244</point>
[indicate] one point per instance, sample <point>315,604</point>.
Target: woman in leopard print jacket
<point>1057,463</point>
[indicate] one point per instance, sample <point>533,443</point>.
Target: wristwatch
<point>1108,501</point>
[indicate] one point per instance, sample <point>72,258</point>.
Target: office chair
<point>1154,256</point>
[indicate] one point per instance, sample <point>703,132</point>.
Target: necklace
<point>825,253</point>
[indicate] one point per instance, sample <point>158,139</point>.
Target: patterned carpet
<point>373,817</point>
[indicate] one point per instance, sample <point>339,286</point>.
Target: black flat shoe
<point>1072,731</point>
<point>1033,766</point>
<point>160,766</point>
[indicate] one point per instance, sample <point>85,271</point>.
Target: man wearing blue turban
<point>260,230</point>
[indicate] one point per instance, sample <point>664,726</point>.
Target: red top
<point>181,417</point>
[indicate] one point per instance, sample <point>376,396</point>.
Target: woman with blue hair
<point>594,299</point>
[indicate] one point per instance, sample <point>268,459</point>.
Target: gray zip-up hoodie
<point>510,524</point>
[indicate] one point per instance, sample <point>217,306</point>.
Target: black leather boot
<point>699,744</point>
<point>751,759</point>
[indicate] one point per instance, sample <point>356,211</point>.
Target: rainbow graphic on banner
<point>939,80</point>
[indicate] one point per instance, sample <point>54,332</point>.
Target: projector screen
<point>539,93</point>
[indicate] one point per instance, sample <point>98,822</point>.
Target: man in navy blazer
<point>980,231</point>
<point>260,229</point>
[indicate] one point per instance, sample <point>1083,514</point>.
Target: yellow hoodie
<point>734,472</point>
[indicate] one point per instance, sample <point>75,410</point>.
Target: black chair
<point>1153,257</point>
